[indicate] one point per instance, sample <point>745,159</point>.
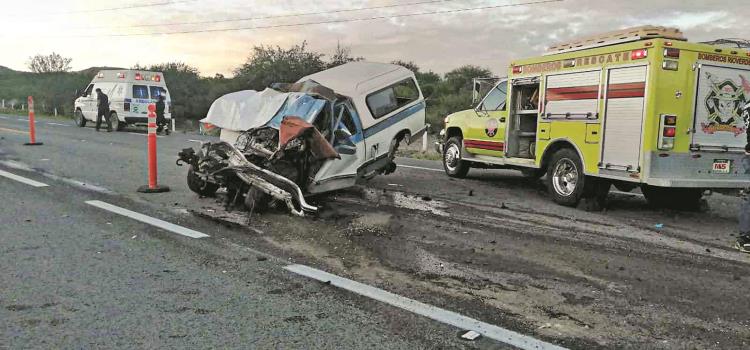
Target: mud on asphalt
<point>605,280</point>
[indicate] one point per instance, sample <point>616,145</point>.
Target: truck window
<point>140,91</point>
<point>157,91</point>
<point>495,100</point>
<point>392,98</point>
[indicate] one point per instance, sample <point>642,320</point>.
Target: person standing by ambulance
<point>161,122</point>
<point>102,104</point>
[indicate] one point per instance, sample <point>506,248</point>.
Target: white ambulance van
<point>129,91</point>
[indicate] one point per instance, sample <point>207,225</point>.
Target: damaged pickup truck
<point>326,132</point>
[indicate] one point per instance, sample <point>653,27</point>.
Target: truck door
<point>348,141</point>
<point>486,130</point>
<point>720,99</point>
<point>623,118</point>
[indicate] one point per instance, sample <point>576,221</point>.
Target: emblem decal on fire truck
<point>724,104</point>
<point>491,128</point>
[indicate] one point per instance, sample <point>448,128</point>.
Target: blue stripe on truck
<point>394,119</point>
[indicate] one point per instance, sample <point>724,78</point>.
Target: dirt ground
<point>494,247</point>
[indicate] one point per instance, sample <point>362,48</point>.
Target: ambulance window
<point>495,100</point>
<point>392,98</point>
<point>140,91</point>
<point>157,91</point>
<point>88,90</point>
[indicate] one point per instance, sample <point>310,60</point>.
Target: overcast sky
<point>83,29</point>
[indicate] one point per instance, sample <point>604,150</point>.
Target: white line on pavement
<point>148,220</point>
<point>22,179</point>
<point>463,322</point>
<point>58,124</point>
<point>199,141</point>
<point>1,117</point>
<point>418,167</point>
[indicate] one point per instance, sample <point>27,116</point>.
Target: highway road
<point>412,260</point>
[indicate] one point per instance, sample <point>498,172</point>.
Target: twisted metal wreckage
<point>290,141</point>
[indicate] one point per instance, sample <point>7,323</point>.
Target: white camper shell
<point>129,91</point>
<point>362,110</point>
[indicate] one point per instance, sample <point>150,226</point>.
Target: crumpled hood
<point>250,109</point>
<point>245,110</point>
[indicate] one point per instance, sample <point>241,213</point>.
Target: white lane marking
<point>199,141</point>
<point>148,220</point>
<point>490,331</point>
<point>1,117</point>
<point>418,167</point>
<point>22,120</point>
<point>21,179</point>
<point>58,124</point>
<point>80,184</point>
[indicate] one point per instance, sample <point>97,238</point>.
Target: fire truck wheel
<point>452,163</point>
<point>565,177</point>
<point>200,186</point>
<point>673,198</point>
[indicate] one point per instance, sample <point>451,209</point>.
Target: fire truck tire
<point>565,177</point>
<point>200,186</point>
<point>452,163</point>
<point>673,198</point>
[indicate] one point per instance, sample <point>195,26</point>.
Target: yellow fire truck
<point>638,107</point>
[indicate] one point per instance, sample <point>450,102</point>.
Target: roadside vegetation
<point>53,84</point>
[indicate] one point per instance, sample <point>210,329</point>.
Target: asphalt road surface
<point>412,260</point>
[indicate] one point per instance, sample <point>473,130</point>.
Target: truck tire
<point>200,186</point>
<point>673,198</point>
<point>565,177</point>
<point>452,163</point>
<point>257,201</point>
<point>79,119</point>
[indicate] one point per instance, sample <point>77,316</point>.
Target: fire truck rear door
<point>623,118</point>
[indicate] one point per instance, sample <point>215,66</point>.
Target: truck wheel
<point>79,119</point>
<point>200,186</point>
<point>115,121</point>
<point>256,201</point>
<point>673,198</point>
<point>452,163</point>
<point>565,177</point>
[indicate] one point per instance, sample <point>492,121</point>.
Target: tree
<point>267,65</point>
<point>342,55</point>
<point>460,79</point>
<point>52,63</point>
<point>408,65</point>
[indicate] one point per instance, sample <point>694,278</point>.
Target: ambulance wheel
<point>200,186</point>
<point>565,177</point>
<point>452,163</point>
<point>673,198</point>
<point>79,119</point>
<point>115,121</point>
